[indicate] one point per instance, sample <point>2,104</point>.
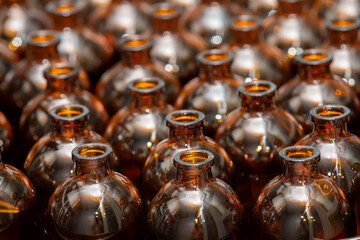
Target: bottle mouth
<point>145,86</point>
<point>215,57</point>
<point>343,24</point>
<point>300,155</point>
<point>258,89</point>
<point>61,71</point>
<point>64,8</point>
<point>43,38</point>
<point>135,43</point>
<point>185,119</point>
<point>314,57</point>
<point>69,113</point>
<point>165,11</point>
<point>91,153</point>
<point>194,159</point>
<point>245,23</point>
<point>330,113</point>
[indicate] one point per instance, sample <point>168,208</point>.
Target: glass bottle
<point>345,50</point>
<point>255,59</point>
<point>62,88</point>
<point>253,134</point>
<point>120,18</point>
<point>214,91</point>
<point>136,63</point>
<point>314,86</point>
<point>185,133</point>
<point>94,202</point>
<point>49,160</point>
<point>207,25</point>
<point>292,29</point>
<point>195,205</point>
<point>18,198</point>
<point>301,203</point>
<point>170,50</point>
<point>25,80</point>
<point>136,129</point>
<point>79,44</point>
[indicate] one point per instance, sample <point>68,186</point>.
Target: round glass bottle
<point>62,88</point>
<point>301,203</point>
<point>136,129</point>
<point>314,86</point>
<point>136,63</point>
<point>94,202</point>
<point>170,50</point>
<point>206,207</point>
<point>254,59</point>
<point>214,91</point>
<point>185,133</point>
<point>18,199</point>
<point>253,134</point>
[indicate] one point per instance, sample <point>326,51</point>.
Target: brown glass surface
<point>185,133</point>
<point>314,86</point>
<point>136,63</point>
<point>196,205</point>
<point>213,92</point>
<point>254,59</point>
<point>301,203</point>
<point>253,134</point>
<point>6,132</point>
<point>79,44</point>
<point>94,202</point>
<point>136,129</point>
<point>292,29</point>
<point>170,50</point>
<point>336,8</point>
<point>18,199</point>
<point>61,89</point>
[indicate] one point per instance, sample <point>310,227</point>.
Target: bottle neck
<point>338,38</point>
<point>62,22</point>
<point>133,58</point>
<point>287,7</point>
<point>240,38</point>
<point>257,104</point>
<point>301,170</point>
<point>61,85</point>
<point>329,128</point>
<point>195,178</point>
<point>212,73</point>
<point>184,135</point>
<point>147,101</point>
<point>70,129</point>
<point>311,72</point>
<point>95,171</point>
<point>40,53</point>
<point>165,25</point>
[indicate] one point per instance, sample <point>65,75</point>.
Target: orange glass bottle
<point>253,134</point>
<point>79,44</point>
<point>254,59</point>
<point>314,86</point>
<point>345,50</point>
<point>214,91</point>
<point>196,205</point>
<point>62,88</point>
<point>18,199</point>
<point>170,50</point>
<point>94,202</point>
<point>135,130</point>
<point>292,29</point>
<point>185,133</point>
<point>136,63</point>
<point>301,203</point>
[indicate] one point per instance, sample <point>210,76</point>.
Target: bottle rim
<point>342,24</point>
<point>301,154</point>
<point>330,113</point>
<point>314,57</point>
<point>146,85</point>
<point>215,57</point>
<point>61,71</point>
<point>258,88</point>
<point>43,38</point>
<point>185,119</point>
<point>193,159</point>
<point>135,43</point>
<point>165,11</point>
<point>69,113</point>
<point>90,153</point>
<point>245,23</point>
<point>64,8</point>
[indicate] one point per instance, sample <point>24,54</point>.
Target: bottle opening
<point>84,154</point>
<point>136,43</point>
<point>315,57</point>
<point>300,153</point>
<point>145,84</point>
<point>91,152</point>
<point>343,23</point>
<point>184,118</point>
<point>164,12</point>
<point>216,57</point>
<point>245,23</point>
<point>65,7</point>
<point>41,39</point>
<point>258,89</point>
<point>194,157</point>
<point>60,71</point>
<point>330,113</point>
<point>68,112</point>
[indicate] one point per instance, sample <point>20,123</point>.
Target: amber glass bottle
<point>120,18</point>
<point>301,203</point>
<point>254,59</point>
<point>136,129</point>
<point>94,202</point>
<point>253,134</point>
<point>292,29</point>
<point>207,25</point>
<point>345,50</point>
<point>136,63</point>
<point>62,88</point>
<point>206,207</point>
<point>170,50</point>
<point>18,199</point>
<point>79,44</point>
<point>315,86</point>
<point>214,91</point>
<point>185,133</point>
